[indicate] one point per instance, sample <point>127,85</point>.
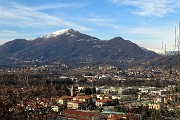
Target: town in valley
<point>105,92</point>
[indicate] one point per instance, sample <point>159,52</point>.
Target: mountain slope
<point>74,49</point>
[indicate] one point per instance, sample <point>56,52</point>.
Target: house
<point>128,116</point>
<point>64,99</point>
<point>100,96</point>
<point>155,106</point>
<point>133,106</point>
<point>55,108</point>
<point>86,99</point>
<point>103,102</point>
<point>170,98</point>
<point>82,115</point>
<point>78,105</point>
<point>116,98</point>
<point>157,99</point>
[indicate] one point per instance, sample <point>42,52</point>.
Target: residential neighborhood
<point>90,93</point>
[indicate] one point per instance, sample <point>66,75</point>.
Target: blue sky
<point>145,22</point>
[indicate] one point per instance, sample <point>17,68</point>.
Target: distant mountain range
<point>73,48</point>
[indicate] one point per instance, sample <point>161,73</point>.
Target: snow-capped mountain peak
<point>59,32</point>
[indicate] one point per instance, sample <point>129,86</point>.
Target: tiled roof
<point>128,116</point>
<point>104,100</point>
<point>76,101</point>
<point>83,97</point>
<point>80,115</point>
<point>66,97</point>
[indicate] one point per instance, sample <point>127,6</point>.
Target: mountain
<point>74,49</point>
<point>165,62</point>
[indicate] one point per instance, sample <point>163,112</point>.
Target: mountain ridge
<point>74,49</point>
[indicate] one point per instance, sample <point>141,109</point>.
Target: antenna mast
<point>175,40</point>
<point>165,49</point>
<point>162,48</point>
<point>179,38</point>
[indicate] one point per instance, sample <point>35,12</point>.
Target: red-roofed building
<point>82,115</point>
<point>76,105</point>
<point>103,102</point>
<point>123,117</point>
<point>64,99</point>
<point>86,99</point>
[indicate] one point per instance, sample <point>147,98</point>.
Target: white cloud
<point>2,41</point>
<point>59,5</point>
<point>147,36</point>
<point>152,37</point>
<point>150,7</point>
<point>20,15</point>
<point>8,33</point>
<point>104,21</point>
<point>22,21</point>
